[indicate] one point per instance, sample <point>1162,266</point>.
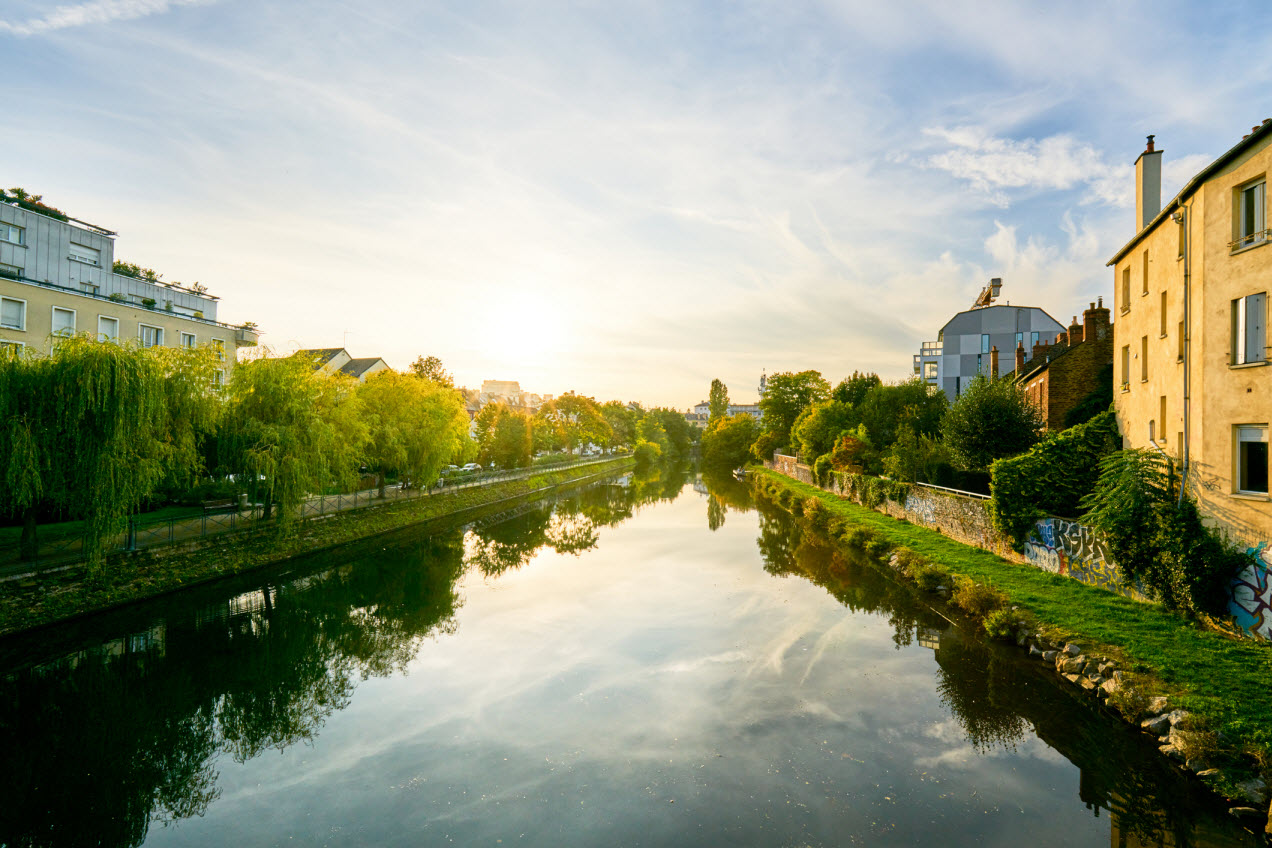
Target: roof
<point>1259,134</point>
<point>1041,362</point>
<point>358,367</point>
<point>322,355</point>
<point>985,310</point>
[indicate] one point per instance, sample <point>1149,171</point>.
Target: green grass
<point>1222,680</point>
<point>70,529</point>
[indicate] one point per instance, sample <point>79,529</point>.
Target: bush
<point>1000,624</point>
<point>822,470</point>
<point>990,420</point>
<point>646,453</point>
<point>976,598</point>
<point>816,512</point>
<point>930,577</point>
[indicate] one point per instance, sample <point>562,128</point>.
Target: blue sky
<point>624,199</point>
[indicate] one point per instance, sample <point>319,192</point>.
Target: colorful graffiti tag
<point>1251,602</point>
<point>1072,549</point>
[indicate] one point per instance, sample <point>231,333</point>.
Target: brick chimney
<point>1020,358</point>
<point>1062,338</point>
<point>1076,335</point>
<point>1095,322</point>
<point>993,361</point>
<point>1148,185</point>
<point>1039,348</point>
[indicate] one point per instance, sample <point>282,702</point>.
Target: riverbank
<point>56,596</point>
<point>1221,682</point>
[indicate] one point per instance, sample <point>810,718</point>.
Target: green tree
<point>885,409</point>
<point>574,420</point>
<point>726,443</point>
<point>622,421</point>
<point>430,368</point>
<point>415,426</point>
<point>853,389</point>
<point>719,402</point>
<point>818,426</point>
<point>786,396</point>
<point>992,419</point>
<point>290,431</point>
<point>915,457</point>
<point>507,438</point>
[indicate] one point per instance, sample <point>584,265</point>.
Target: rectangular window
<point>218,347</point>
<point>1145,273</point>
<point>12,233</point>
<point>1020,340</point>
<point>63,321</point>
<point>1163,315</point>
<point>107,329</point>
<point>1144,359</point>
<point>1126,366</point>
<point>1033,340</point>
<point>10,348</point>
<point>150,336</point>
<point>984,343</point>
<point>1181,341</point>
<point>81,253</point>
<point>218,377</point>
<point>1126,289</point>
<point>1249,329</point>
<point>187,339</point>
<point>1250,222</point>
<point>1162,417</point>
<point>929,370</point>
<point>12,313</point>
<point>1252,459</point>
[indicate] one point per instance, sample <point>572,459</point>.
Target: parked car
<point>472,466</point>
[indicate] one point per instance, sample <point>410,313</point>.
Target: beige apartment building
<point>57,278</point>
<point>1190,332</point>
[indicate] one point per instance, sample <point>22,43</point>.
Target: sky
<point>623,199</point>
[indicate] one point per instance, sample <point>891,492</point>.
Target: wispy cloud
<point>98,12</point>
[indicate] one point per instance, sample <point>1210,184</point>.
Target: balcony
<point>246,336</point>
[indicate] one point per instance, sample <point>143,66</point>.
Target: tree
<point>622,421</point>
<point>725,444</point>
<point>991,419</point>
<point>786,396</point>
<point>430,368</point>
<point>853,390</point>
<point>719,402</point>
<point>575,420</point>
<point>505,436</point>
<point>915,457</point>
<point>291,431</point>
<point>818,427</point>
<point>415,426</point>
<point>850,450</point>
<point>84,430</point>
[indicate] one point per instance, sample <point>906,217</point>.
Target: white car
<point>472,466</point>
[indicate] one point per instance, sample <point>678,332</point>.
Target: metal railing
<point>142,533</point>
<point>962,492</point>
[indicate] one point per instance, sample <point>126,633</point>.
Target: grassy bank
<point>1222,681</point>
<point>124,578</point>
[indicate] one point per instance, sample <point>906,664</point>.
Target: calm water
<point>639,663</point>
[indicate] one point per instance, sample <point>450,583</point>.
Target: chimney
<point>1148,185</point>
<point>1095,322</point>
<point>1039,348</point>
<point>1020,358</point>
<point>993,361</point>
<point>1062,338</point>
<point>1076,335</point>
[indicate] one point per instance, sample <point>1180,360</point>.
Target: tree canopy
<point>718,402</point>
<point>788,394</point>
<point>430,368</point>
<point>415,426</point>
<point>990,420</point>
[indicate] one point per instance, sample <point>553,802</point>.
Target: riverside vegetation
<point>1147,658</point>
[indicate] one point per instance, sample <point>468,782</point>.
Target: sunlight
<point>522,328</point>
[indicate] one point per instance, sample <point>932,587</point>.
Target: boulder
<point>1034,652</point>
<point>1109,686</point>
<point>1244,812</point>
<point>1172,752</point>
<point>1158,704</point>
<point>1068,666</point>
<point>1210,772</point>
<point>1254,790</point>
<point>1049,656</point>
<point>1176,716</point>
<point>1158,725</point>
<point>1072,650</point>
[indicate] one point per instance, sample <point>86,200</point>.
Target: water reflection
<point>999,699</point>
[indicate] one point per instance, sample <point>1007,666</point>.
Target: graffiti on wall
<point>1251,602</point>
<point>1072,549</point>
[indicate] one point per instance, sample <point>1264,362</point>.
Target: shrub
<point>878,547</point>
<point>990,420</point>
<point>817,513</point>
<point>1000,624</point>
<point>930,577</point>
<point>1131,698</point>
<point>822,470</point>
<point>976,598</point>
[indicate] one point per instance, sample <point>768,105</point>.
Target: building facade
<point>336,360</point>
<point>57,278</point>
<point>1057,377</point>
<point>1191,347</point>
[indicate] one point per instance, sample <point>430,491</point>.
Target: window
<point>218,346</point>
<point>1144,359</point>
<point>1162,417</point>
<point>150,336</point>
<point>12,233</point>
<point>984,343</point>
<point>1126,366</point>
<point>1020,340</point>
<point>1250,222</point>
<point>1152,430</point>
<point>187,339</point>
<point>63,321</point>
<point>929,370</point>
<point>89,255</point>
<point>107,329</point>
<point>1181,341</point>
<point>218,377</point>
<point>1249,329</point>
<point>1126,289</point>
<point>1033,340</point>
<point>12,313</point>
<point>1144,290</point>
<point>1163,315</point>
<point>1252,459</point>
<point>10,348</point>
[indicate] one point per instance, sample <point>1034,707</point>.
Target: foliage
<point>849,451</point>
<point>571,421</point>
<point>977,599</point>
<point>719,402</point>
<point>622,421</point>
<point>991,419</point>
<point>430,368</point>
<point>915,457</point>
<point>504,436</point>
<point>726,443</point>
<point>887,409</point>
<point>788,394</point>
<point>872,491</point>
<point>31,201</point>
<point>765,445</point>
<point>414,426</point>
<point>1000,624</point>
<point>819,426</point>
<point>646,453</point>
<point>1099,400</point>
<point>131,269</point>
<point>1052,478</point>
<point>852,391</point>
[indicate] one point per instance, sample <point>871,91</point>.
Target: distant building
<point>1191,342</point>
<point>57,277</point>
<point>966,344</point>
<point>503,391</point>
<point>700,414</point>
<point>1057,377</point>
<point>332,360</point>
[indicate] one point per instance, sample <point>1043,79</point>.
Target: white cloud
<point>97,12</point>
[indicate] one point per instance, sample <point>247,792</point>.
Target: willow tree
<point>291,431</point>
<point>83,430</point>
<point>415,426</point>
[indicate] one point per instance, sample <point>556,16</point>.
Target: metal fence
<point>142,533</point>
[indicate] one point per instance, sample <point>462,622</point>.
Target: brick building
<point>1059,376</point>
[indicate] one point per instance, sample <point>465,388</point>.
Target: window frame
<point>95,261</point>
<point>1241,314</point>
<point>194,340</point>
<point>53,321</point>
<point>218,345</point>
<point>1126,368</point>
<point>5,226</point>
<point>21,329</point>
<point>100,319</point>
<point>4,343</point>
<point>1239,431</point>
<point>141,336</point>
<point>1249,233</point>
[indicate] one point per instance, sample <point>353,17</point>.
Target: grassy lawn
<point>1225,681</point>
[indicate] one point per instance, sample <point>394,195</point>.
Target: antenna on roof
<point>989,293</point>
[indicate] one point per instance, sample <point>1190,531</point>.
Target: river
<point>653,660</point>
